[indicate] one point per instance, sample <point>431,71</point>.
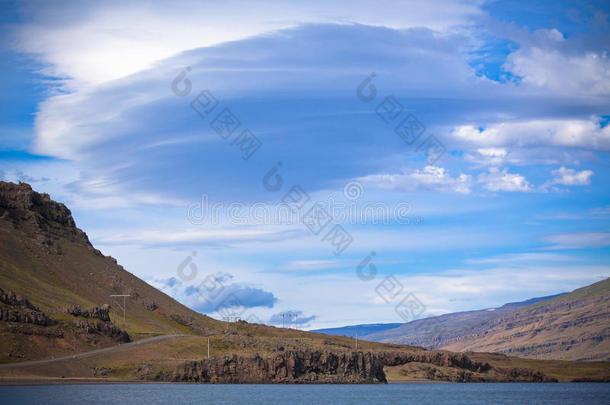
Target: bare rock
<point>288,367</point>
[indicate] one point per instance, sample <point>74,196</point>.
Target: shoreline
<point>100,381</point>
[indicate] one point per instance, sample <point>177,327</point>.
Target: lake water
<point>150,394</point>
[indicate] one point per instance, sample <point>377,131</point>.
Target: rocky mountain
<point>572,326</point>
<point>55,287</point>
<point>430,332</point>
<point>423,332</point>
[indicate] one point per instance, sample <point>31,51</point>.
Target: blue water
<point>437,394</point>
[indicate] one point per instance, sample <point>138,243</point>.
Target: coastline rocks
<point>288,367</point>
<point>443,359</point>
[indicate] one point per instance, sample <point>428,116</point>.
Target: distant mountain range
<point>359,330</point>
<point>568,326</point>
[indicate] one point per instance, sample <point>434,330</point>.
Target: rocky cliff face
<point>311,367</point>
<point>37,215</point>
<point>289,367</point>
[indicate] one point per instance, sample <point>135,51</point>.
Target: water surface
<point>436,394</point>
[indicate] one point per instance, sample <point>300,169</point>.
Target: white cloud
<point>551,67</point>
<point>586,134</point>
<point>570,177</point>
<point>488,156</point>
<point>430,178</point>
<point>92,43</point>
<point>497,180</point>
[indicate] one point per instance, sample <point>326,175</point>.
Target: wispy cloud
<point>198,236</point>
<point>578,240</point>
<point>306,265</point>
<point>431,178</point>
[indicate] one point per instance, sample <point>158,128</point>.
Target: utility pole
<point>283,316</point>
<point>124,303</point>
<point>296,321</point>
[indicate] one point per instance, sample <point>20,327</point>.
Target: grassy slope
<point>53,266</point>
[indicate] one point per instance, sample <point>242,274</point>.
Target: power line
<point>124,304</point>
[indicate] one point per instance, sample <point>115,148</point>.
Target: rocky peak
<point>36,213</point>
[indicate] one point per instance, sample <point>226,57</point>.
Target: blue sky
<point>98,111</point>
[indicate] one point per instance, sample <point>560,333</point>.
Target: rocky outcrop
<point>103,328</point>
<point>102,313</point>
<point>36,214</point>
<point>10,298</point>
<point>426,371</point>
<point>443,359</point>
<point>149,304</point>
<point>25,316</point>
<point>97,322</point>
<point>20,310</point>
<point>523,374</point>
<point>290,367</point>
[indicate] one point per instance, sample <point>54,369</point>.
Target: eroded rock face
<point>10,298</point>
<point>289,367</point>
<point>103,328</point>
<point>21,315</point>
<point>20,310</point>
<point>102,313</point>
<point>97,322</point>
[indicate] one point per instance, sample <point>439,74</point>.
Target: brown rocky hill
<point>575,326</point>
<point>55,286</point>
<point>572,326</point>
<point>434,332</point>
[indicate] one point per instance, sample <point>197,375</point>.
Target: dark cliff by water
<point>289,367</point>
